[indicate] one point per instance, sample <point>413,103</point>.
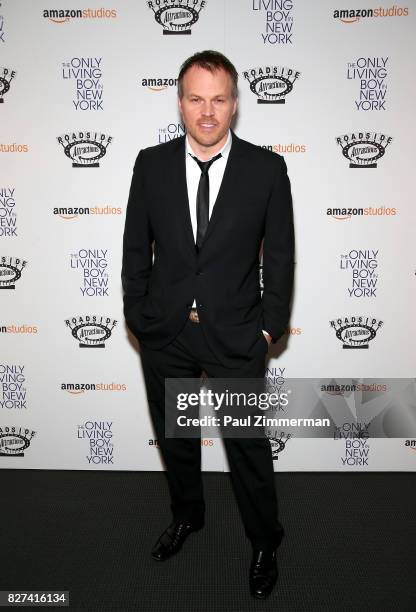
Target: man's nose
<point>208,109</point>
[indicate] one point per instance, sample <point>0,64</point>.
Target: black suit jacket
<point>254,203</point>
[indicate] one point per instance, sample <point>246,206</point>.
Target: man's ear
<point>235,106</point>
<point>179,105</point>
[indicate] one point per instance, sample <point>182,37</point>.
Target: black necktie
<point>202,199</point>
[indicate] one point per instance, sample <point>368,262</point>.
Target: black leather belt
<point>193,315</point>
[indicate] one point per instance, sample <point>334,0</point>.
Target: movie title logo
<point>357,447</point>
<point>87,75</point>
<point>271,84</point>
<point>2,31</point>
<point>363,265</point>
<point>6,76</point>
<point>158,84</point>
<point>85,149</point>
<point>277,441</point>
<point>12,387</point>
<point>363,149</point>
<point>10,271</point>
<point>170,132</point>
<point>343,214</point>
<point>99,436</point>
<point>15,440</point>
<point>93,264</point>
<point>275,383</point>
<point>356,332</point>
<point>80,388</point>
<point>278,22</point>
<point>91,331</point>
<point>354,15</point>
<point>8,217</point>
<point>371,73</point>
<point>176,16</point>
<point>73,212</point>
<point>65,15</point>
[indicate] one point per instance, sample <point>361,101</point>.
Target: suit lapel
<point>230,179</point>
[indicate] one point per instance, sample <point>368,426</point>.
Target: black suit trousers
<point>250,459</point>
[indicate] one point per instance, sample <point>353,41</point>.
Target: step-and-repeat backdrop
<point>84,85</point>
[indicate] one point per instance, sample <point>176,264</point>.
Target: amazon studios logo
<point>6,75</point>
<point>14,440</point>
<point>363,149</point>
<point>271,83</point>
<point>279,20</point>
<point>356,332</point>
<point>8,216</point>
<point>176,16</point>
<point>91,331</point>
<point>10,271</point>
<point>85,148</point>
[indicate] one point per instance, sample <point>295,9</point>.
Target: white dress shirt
<point>193,174</point>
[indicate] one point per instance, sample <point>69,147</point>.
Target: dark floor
<point>350,542</point>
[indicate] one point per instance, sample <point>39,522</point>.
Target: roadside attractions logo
<point>278,441</point>
<point>271,84</point>
<point>73,212</point>
<point>356,332</point>
<point>176,16</point>
<point>346,213</point>
<point>10,271</point>
<point>278,20</point>
<point>15,440</point>
<point>6,76</point>
<point>371,73</point>
<point>65,15</point>
<point>91,331</point>
<point>85,149</point>
<point>354,15</point>
<point>363,149</point>
<point>8,217</point>
<point>86,73</point>
<point>158,83</point>
<point>363,264</point>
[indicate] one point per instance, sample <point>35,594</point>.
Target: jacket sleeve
<point>278,256</point>
<point>137,247</point>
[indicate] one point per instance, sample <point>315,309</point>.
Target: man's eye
<point>219,100</point>
<point>194,99</point>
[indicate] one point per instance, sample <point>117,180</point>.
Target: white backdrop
<point>108,71</point>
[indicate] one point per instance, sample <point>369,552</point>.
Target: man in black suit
<point>199,208</point>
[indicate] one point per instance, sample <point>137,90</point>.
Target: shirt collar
<point>224,151</point>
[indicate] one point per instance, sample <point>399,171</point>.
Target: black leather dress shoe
<point>263,573</point>
<point>171,540</point>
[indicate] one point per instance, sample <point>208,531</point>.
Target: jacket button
<point>199,273</point>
